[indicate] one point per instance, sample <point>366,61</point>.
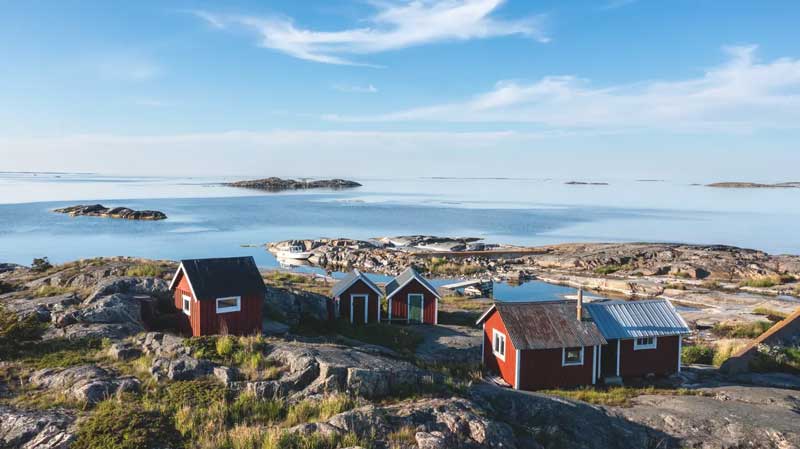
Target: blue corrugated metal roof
<point>632,319</point>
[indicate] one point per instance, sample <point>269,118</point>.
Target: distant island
<point>274,184</point>
<point>98,210</point>
<point>754,185</point>
<point>583,183</point>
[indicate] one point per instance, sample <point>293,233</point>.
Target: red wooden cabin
<point>412,299</point>
<point>356,299</point>
<point>644,337</point>
<point>219,296</point>
<point>536,345</point>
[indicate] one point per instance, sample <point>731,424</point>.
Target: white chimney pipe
<point>580,304</point>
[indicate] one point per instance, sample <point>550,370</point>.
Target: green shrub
<point>41,264</point>
<point>610,269</point>
<point>118,424</point>
<point>52,290</point>
<point>776,359</point>
<point>767,281</point>
<point>742,330</point>
<point>194,393</point>
<point>278,439</point>
<point>145,270</point>
<point>15,332</point>
<point>225,346</point>
<point>442,266</point>
<point>698,354</point>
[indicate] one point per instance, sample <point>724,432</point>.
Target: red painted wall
<point>400,303</point>
<point>662,360</point>
<point>506,368</point>
<point>205,321</point>
<point>542,369</point>
<point>359,288</point>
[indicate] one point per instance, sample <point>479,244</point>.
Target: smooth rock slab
<point>35,429</point>
<point>86,383</point>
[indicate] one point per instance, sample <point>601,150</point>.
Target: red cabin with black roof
<point>219,296</point>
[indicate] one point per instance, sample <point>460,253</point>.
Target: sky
<point>697,89</point>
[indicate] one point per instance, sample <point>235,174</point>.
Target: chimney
<point>580,304</point>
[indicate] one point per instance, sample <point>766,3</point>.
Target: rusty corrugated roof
<point>547,325</point>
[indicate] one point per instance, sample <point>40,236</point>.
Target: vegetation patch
<point>616,396</point>
<point>741,330</point>
<point>444,267</point>
<point>701,354</point>
<point>15,332</point>
<point>145,270</point>
<point>770,314</point>
<point>776,358</point>
<point>247,353</point>
<point>123,424</point>
<point>767,281</point>
<point>52,290</point>
<point>611,268</point>
<point>41,264</point>
<point>724,349</point>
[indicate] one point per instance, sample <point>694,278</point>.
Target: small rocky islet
<point>754,185</point>
<point>98,210</point>
<point>275,184</point>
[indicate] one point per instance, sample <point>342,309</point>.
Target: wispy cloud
<point>740,95</point>
<point>349,88</point>
<point>394,25</point>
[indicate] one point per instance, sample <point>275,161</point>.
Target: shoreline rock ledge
<point>98,210</point>
<point>275,184</point>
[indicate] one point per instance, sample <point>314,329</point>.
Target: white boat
<point>295,252</point>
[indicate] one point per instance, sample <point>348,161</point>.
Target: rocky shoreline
<point>98,210</point>
<point>754,185</point>
<point>274,184</point>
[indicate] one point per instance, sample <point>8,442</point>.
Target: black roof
<point>228,276</point>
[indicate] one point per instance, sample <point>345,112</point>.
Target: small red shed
<point>644,337</point>
<point>356,298</point>
<point>412,299</point>
<point>536,345</point>
<point>219,296</point>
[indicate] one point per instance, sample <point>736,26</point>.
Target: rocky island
<point>754,185</point>
<point>89,360</point>
<point>98,210</point>
<point>274,184</point>
<point>585,183</point>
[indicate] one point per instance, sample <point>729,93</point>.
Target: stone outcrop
<point>313,369</point>
<point>113,316</point>
<point>36,429</point>
<point>85,383</point>
<point>98,210</point>
<point>274,184</point>
<point>292,305</point>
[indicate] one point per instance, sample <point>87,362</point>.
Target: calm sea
<point>206,219</point>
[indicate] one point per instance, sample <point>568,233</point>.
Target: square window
<point>644,343</point>
<point>572,356</point>
<point>230,304</point>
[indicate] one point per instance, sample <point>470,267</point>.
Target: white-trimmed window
<point>229,304</point>
<point>571,356</point>
<point>499,344</point>
<point>187,304</point>
<point>644,343</point>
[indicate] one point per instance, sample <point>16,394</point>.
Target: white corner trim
<point>389,307</point>
<point>680,352</point>
<point>564,358</point>
<point>353,298</point>
<point>594,365</point>
<point>644,346</point>
<point>408,307</point>
<point>483,343</point>
<point>516,369</point>
<point>188,281</point>
<point>231,309</point>
<point>183,305</point>
<point>435,310</point>
<point>618,349</point>
<point>495,334</point>
<point>379,308</point>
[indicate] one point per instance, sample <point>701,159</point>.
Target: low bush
<point>145,270</point>
<point>741,330</point>
<point>15,332</point>
<point>609,269</point>
<point>278,439</point>
<point>615,396</point>
<point>776,359</point>
<point>41,264</point>
<point>249,409</point>
<point>724,349</point>
<point>768,281</point>
<point>443,267</point>
<point>698,354</point>
<point>52,290</point>
<point>121,424</point>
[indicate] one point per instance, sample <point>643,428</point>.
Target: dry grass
<point>724,349</point>
<point>616,396</point>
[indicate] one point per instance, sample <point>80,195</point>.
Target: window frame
<point>564,361</point>
<point>230,309</point>
<point>645,346</point>
<point>502,337</point>
<point>186,299</point>
<point>421,303</point>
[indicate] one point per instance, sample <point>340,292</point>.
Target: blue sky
<point>605,89</point>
